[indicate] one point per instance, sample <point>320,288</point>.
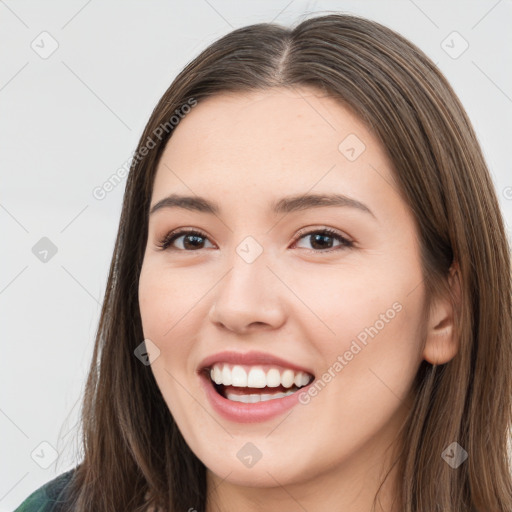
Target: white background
<point>69,121</point>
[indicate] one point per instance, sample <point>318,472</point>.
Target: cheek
<point>368,365</point>
<point>370,324</point>
<point>167,313</point>
<point>164,300</point>
<point>154,303</point>
<point>173,306</point>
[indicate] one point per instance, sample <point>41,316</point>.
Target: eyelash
<point>166,242</point>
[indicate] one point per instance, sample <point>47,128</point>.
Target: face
<point>319,299</point>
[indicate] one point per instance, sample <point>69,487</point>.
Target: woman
<point>309,301</point>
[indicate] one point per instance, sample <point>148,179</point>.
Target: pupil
<point>195,242</point>
<point>317,236</point>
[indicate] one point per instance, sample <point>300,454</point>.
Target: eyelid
<point>314,229</point>
<point>177,233</point>
<point>346,242</point>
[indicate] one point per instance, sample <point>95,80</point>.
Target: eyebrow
<point>285,205</point>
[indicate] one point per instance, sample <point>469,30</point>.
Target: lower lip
<point>248,413</point>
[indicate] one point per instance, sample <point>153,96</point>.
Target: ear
<point>442,343</point>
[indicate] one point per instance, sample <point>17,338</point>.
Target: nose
<point>249,297</point>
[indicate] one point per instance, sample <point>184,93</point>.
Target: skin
<point>244,150</point>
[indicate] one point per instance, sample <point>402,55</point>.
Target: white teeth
<point>226,376</point>
<point>256,378</point>
<point>287,378</point>
<point>273,378</point>
<point>252,399</point>
<point>237,376</point>
<point>217,375</point>
<point>304,379</point>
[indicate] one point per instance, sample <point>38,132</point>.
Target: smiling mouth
<point>253,384</point>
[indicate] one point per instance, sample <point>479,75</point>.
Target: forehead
<point>253,142</point>
<point>278,119</point>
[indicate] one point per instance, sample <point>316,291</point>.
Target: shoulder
<point>47,496</point>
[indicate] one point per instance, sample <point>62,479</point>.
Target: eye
<point>191,239</point>
<point>321,240</point>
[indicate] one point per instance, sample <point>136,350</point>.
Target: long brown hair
<point>132,448</point>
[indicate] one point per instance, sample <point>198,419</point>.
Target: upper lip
<point>249,358</point>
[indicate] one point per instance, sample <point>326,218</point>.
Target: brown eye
<point>322,240</point>
<point>192,240</point>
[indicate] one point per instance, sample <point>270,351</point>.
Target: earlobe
<point>442,343</point>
